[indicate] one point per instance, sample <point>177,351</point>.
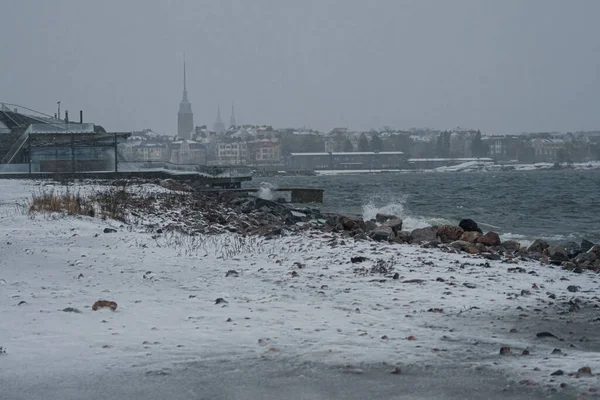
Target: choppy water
<point>555,205</point>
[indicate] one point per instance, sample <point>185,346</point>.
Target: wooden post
<point>116,163</point>
<point>29,151</point>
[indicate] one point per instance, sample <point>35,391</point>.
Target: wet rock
<point>109,230</point>
<point>424,234</point>
<point>467,247</point>
<point>383,233</point>
<point>490,239</point>
<point>470,236</point>
<point>511,245</point>
<point>384,217</point>
<point>557,253</point>
<point>403,237</point>
<point>449,233</point>
<point>584,371</point>
<point>396,371</point>
<point>572,249</point>
<point>586,245</point>
<point>351,223</point>
<point>395,224</point>
<point>370,225</point>
<point>468,225</point>
<point>538,246</point>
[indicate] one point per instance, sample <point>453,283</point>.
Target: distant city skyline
<point>506,66</point>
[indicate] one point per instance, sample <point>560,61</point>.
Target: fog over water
<point>499,66</point>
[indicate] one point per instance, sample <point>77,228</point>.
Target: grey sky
<point>497,65</point>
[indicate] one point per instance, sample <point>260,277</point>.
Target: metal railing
<point>16,147</point>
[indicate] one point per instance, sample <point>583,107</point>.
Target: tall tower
<point>185,116</point>
<point>232,119</point>
<point>219,126</point>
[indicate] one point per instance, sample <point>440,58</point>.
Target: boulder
<point>586,245</point>
<point>557,253</point>
<point>403,237</point>
<point>468,225</point>
<point>538,246</point>
<point>370,225</point>
<point>490,239</point>
<point>572,249</point>
<point>470,236</point>
<point>511,245</point>
<point>449,233</point>
<point>384,217</point>
<point>351,223</point>
<point>465,246</point>
<point>395,224</point>
<point>424,234</point>
<point>382,233</point>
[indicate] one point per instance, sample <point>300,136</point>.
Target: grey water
<point>555,205</point>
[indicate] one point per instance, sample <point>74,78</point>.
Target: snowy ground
<point>295,299</point>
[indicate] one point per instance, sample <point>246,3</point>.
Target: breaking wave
<point>397,208</point>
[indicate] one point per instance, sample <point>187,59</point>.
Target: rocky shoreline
<point>183,209</point>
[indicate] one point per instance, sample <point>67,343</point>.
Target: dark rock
<point>538,246</point>
<point>490,239</point>
<point>424,234</point>
<point>470,236</point>
<point>558,372</point>
<point>557,253</point>
<point>449,233</point>
<point>584,370</point>
<point>22,302</point>
<point>383,233</point>
<point>573,288</point>
<point>468,225</point>
<point>572,249</point>
<point>370,225</point>
<point>384,217</point>
<point>525,352</point>
<point>465,246</point>
<point>469,285</point>
<point>395,224</point>
<point>586,245</point>
<point>358,259</point>
<point>231,272</point>
<point>403,237</point>
<point>351,223</point>
<point>511,245</point>
<point>221,300</point>
<point>71,309</point>
<point>505,351</point>
<point>109,230</point>
<point>545,335</point>
<point>556,351</point>
<point>396,276</point>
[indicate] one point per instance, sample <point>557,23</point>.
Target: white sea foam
<point>397,208</point>
<point>266,191</point>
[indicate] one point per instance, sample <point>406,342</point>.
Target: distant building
<point>188,152</point>
<point>185,116</point>
<point>232,121</point>
<point>349,161</point>
<point>235,153</point>
<point>264,152</point>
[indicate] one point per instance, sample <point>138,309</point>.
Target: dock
<point>298,195</point>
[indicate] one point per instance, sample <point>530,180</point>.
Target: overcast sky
<point>497,65</point>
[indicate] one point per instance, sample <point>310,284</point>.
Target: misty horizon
<point>501,67</point>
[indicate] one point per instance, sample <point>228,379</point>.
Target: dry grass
<point>69,203</point>
<point>110,204</point>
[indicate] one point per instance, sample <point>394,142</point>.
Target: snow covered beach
<point>292,297</point>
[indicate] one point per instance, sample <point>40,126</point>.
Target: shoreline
<point>298,295</point>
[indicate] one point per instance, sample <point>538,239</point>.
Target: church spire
<point>232,120</point>
<point>219,126</point>
<point>185,96</point>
